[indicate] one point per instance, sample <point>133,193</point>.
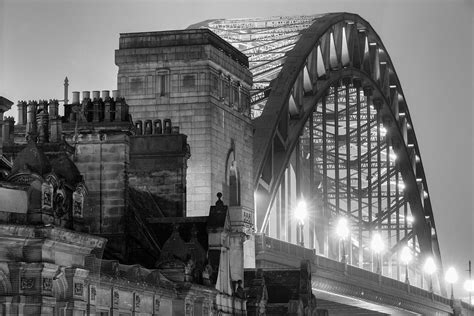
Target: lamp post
<point>300,215</point>
<point>451,277</point>
<point>342,231</point>
<point>406,257</point>
<point>430,268</point>
<point>377,246</point>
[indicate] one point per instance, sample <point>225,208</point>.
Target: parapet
<point>181,38</point>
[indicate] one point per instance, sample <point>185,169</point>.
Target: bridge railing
<point>296,253</point>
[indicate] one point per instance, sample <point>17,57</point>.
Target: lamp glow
<point>406,255</point>
<point>451,275</point>
<point>430,266</point>
<point>377,243</point>
<point>342,228</point>
<point>469,285</point>
<point>300,211</point>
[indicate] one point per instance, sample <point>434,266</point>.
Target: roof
<point>180,38</point>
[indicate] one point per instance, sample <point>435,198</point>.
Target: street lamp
<point>300,215</point>
<point>469,287</point>
<point>451,277</point>
<point>430,268</point>
<point>342,231</point>
<point>406,257</point>
<point>377,246</point>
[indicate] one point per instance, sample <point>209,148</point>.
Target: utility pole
<point>470,279</point>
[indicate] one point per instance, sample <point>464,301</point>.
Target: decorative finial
<point>219,201</point>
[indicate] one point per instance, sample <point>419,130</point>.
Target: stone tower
<point>202,84</point>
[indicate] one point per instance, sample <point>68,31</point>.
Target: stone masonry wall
<point>103,161</point>
<point>158,167</point>
<point>203,90</point>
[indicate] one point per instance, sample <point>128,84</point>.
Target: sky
<point>430,43</point>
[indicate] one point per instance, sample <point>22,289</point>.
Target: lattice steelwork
<point>332,127</point>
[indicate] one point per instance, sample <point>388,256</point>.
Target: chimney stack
<point>86,95</point>
<point>115,94</point>
<point>31,127</point>
<point>95,95</point>
<point>105,94</point>
<point>21,112</point>
<point>75,97</point>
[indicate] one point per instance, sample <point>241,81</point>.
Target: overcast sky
<point>430,43</point>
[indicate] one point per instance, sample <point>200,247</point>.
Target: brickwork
<point>202,84</point>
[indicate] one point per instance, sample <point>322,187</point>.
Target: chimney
<point>105,94</point>
<point>95,95</point>
<point>53,108</point>
<point>75,97</point>
<point>31,127</point>
<point>42,120</point>
<point>21,112</point>
<point>8,130</point>
<point>115,94</point>
<point>86,95</point>
<point>55,129</point>
<point>5,105</point>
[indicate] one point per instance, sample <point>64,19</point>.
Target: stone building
<point>111,208</point>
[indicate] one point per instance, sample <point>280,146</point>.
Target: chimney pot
<point>95,95</point>
<point>105,94</point>
<point>86,94</point>
<point>75,97</point>
<point>115,94</point>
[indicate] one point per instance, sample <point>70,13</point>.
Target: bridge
<point>334,143</point>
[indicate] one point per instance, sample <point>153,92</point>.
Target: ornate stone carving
<point>92,293</point>
<point>137,302</point>
<point>115,298</point>
<point>47,284</point>
<point>27,283</point>
<point>78,289</point>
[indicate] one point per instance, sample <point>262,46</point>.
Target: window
<point>162,83</point>
<point>189,82</point>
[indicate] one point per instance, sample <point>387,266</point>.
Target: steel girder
<point>319,76</point>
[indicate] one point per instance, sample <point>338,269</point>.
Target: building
<point>111,209</point>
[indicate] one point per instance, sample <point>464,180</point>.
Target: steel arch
<point>320,53</point>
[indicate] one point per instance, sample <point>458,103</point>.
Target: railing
<point>267,244</point>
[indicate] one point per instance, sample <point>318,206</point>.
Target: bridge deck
<point>347,286</point>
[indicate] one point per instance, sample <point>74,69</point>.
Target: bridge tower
<point>202,83</point>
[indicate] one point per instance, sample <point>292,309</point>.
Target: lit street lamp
<point>342,231</point>
<point>377,246</point>
<point>469,287</point>
<point>300,215</point>
<point>406,257</point>
<point>430,268</point>
<point>451,277</point>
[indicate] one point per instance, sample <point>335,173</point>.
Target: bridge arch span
<point>332,126</point>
